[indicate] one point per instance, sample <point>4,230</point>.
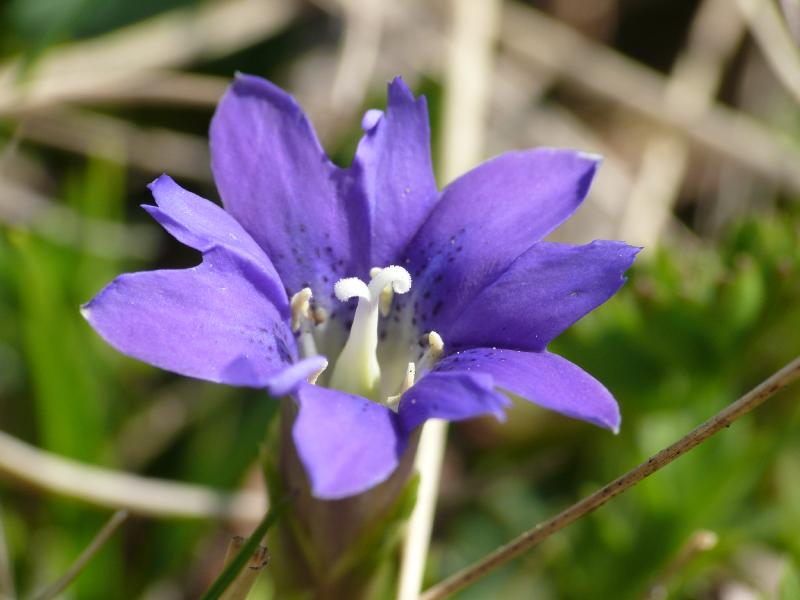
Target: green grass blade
<point>232,569</point>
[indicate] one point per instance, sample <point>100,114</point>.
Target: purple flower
<point>457,296</point>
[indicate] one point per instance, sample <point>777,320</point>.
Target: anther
<point>435,346</point>
<point>301,308</point>
<point>434,351</point>
<point>318,314</point>
<point>302,320</point>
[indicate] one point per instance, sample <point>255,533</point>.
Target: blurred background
<point>693,104</point>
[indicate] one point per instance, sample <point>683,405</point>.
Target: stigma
<point>357,370</point>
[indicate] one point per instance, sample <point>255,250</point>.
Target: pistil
<point>357,370</point>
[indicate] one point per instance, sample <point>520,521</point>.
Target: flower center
<point>357,370</point>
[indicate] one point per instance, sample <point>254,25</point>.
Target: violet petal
<point>543,378</point>
<point>486,219</point>
<point>212,321</point>
<point>453,396</point>
<point>393,170</point>
<point>346,443</point>
<point>276,180</point>
<point>542,293</point>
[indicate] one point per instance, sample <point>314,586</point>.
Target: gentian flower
<point>372,298</point>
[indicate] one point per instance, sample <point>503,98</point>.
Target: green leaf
<point>232,569</point>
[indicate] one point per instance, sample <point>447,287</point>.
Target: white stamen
<point>357,370</point>
<point>435,345</point>
<point>301,308</point>
<point>433,353</point>
<point>312,379</point>
<point>393,402</point>
<point>302,321</point>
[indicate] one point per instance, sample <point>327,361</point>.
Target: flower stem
<point>415,548</point>
<point>697,436</point>
<point>467,92</point>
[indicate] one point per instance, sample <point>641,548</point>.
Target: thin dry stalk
<point>139,495</point>
<point>529,36</point>
<point>162,88</point>
<point>541,532</point>
<point>775,41</point>
<point>174,39</point>
<point>244,582</point>
<point>358,53</point>
<point>53,591</point>
<point>699,542</point>
<point>21,206</point>
<point>6,572</point>
<point>152,150</point>
<point>715,34</point>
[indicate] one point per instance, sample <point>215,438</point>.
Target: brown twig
<point>534,536</point>
<point>58,586</point>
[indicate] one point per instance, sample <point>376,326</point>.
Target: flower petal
<point>286,382</point>
<point>542,293</point>
<point>202,225</point>
<point>394,171</point>
<point>346,443</point>
<point>450,396</point>
<point>486,219</point>
<point>276,180</point>
<point>211,322</point>
<point>543,378</point>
